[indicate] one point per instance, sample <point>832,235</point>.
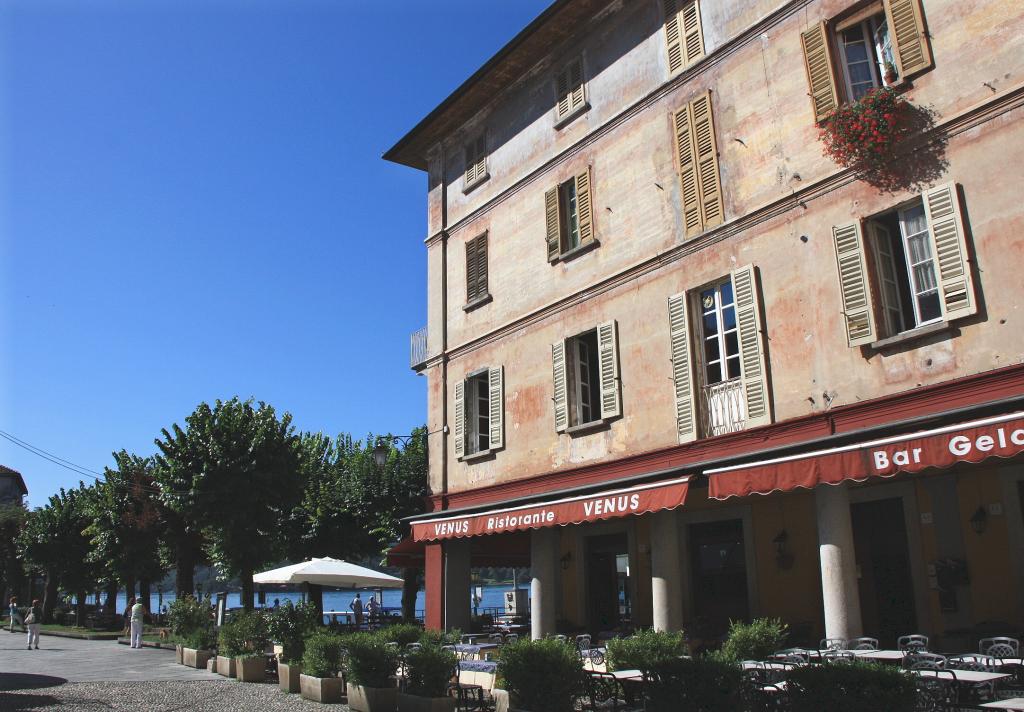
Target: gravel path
<point>156,696</point>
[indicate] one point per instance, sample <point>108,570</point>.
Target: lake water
<point>339,600</point>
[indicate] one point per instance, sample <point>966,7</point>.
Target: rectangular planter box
<point>372,699</point>
<point>288,676</point>
<point>251,669</point>
<point>178,657</point>
<point>225,666</point>
<point>195,658</point>
<point>329,690</point>
<point>413,703</point>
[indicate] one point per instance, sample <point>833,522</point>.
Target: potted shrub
<point>229,645</point>
<point>855,686</point>
<point>251,641</point>
<point>540,675</point>
<point>402,633</point>
<point>711,683</point>
<point>755,640</point>
<point>370,670</point>
<point>429,670</point>
<point>198,648</point>
<point>321,664</point>
<point>645,649</point>
<point>865,134</point>
<point>188,618</point>
<point>289,625</point>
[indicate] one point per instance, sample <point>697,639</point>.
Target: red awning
<point>972,442</point>
<point>640,499</point>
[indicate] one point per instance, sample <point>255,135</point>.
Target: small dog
<point>164,634</point>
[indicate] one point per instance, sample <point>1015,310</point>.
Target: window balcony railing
<point>723,408</point>
<point>418,348</point>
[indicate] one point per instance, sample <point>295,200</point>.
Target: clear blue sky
<point>193,206</point>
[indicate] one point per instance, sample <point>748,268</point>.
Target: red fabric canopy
<point>974,441</point>
<point>613,504</point>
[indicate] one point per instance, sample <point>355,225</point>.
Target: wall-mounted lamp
<point>979,521</point>
<point>782,556</point>
<point>566,560</point>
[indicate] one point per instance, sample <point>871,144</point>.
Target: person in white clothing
<point>357,611</point>
<point>32,621</point>
<point>138,614</point>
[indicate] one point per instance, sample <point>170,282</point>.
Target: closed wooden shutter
<point>584,207</point>
<point>496,407</point>
<point>576,92</point>
<point>751,342</point>
<point>706,157</point>
<point>682,368</point>
<point>560,396</point>
<point>687,171</point>
<point>683,33</point>
<point>821,74</point>
<point>470,165</point>
<point>570,89</point>
<point>909,40</point>
<point>946,227</point>
<point>471,271</point>
<point>608,359</point>
<point>460,419</point>
<point>553,223</point>
<point>562,89</point>
<point>858,311</point>
<point>476,268</point>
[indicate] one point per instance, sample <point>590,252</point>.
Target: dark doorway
<point>883,562</point>
<point>608,600</point>
<point>719,566</point>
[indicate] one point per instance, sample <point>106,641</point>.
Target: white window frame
<point>878,52</point>
<point>568,202</point>
<point>478,418</point>
<point>583,368</point>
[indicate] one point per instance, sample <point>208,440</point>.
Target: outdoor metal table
<point>628,675</point>
<point>884,655</point>
<point>757,665</point>
<point>1017,703</point>
<point>471,638</point>
<point>971,676</point>
<point>478,666</point>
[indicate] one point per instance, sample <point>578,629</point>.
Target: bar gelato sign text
<point>947,449</point>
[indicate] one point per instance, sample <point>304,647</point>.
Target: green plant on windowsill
<point>865,134</point>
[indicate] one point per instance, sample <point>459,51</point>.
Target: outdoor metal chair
<point>862,644</point>
<point>936,694</point>
<point>912,643</point>
<point>512,637</point>
<point>1000,647</point>
<point>832,644</point>
<point>981,663</point>
<point>605,694</point>
<point>561,638</point>
<point>497,638</point>
<point>796,656</point>
<point>468,696</point>
<point>413,646</point>
<point>837,656</point>
<point>924,661</point>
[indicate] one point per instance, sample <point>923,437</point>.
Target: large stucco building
<point>691,369</point>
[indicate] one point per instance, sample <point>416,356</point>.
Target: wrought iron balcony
<point>418,348</point>
<point>723,408</point>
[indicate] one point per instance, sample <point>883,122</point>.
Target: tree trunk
<point>184,575</point>
<point>316,597</point>
<point>410,587</point>
<point>129,589</point>
<point>247,589</point>
<point>49,597</point>
<point>110,605</point>
<point>145,593</point>
<point>80,608</point>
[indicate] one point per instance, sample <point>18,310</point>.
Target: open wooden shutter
<point>687,171</point>
<point>682,368</point>
<point>608,359</point>
<point>821,75</point>
<point>584,207</point>
<point>683,33</point>
<point>553,222</point>
<point>560,397</point>
<point>460,419</point>
<point>858,310</point>
<point>909,40</point>
<point>496,406</point>
<point>946,227</point>
<point>563,103</point>
<point>706,156</point>
<point>751,342</point>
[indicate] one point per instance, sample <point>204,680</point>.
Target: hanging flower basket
<point>866,134</point>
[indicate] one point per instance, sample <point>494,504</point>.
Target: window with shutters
<point>718,360</point>
<point>697,161</point>
<point>476,163</point>
<point>683,35</point>
<point>476,272</point>
<point>586,378</point>
<point>877,43</point>
<point>570,93</point>
<point>479,413</point>
<point>904,269</point>
<point>569,217</point>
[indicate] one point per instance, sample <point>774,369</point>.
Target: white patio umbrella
<point>329,572</point>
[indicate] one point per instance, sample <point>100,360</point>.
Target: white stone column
<point>840,595</point>
<point>666,572</point>
<point>544,584</point>
<point>457,583</point>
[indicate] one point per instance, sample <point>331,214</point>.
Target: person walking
<point>138,614</point>
<point>16,618</point>
<point>372,610</point>
<point>357,610</point>
<point>32,621</point>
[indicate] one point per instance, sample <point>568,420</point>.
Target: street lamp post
<point>384,442</point>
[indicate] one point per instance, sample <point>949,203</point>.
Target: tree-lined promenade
<point>236,487</point>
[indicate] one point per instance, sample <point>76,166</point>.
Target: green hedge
<point>244,634</point>
<point>541,675</point>
<point>755,640</point>
<point>706,684</point>
<point>851,687</point>
<point>644,649</point>
<point>323,655</point>
<point>290,625</point>
<point>430,670</point>
<point>370,661</point>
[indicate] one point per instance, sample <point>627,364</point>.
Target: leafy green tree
<point>236,469</point>
<point>54,544</point>
<point>12,573</point>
